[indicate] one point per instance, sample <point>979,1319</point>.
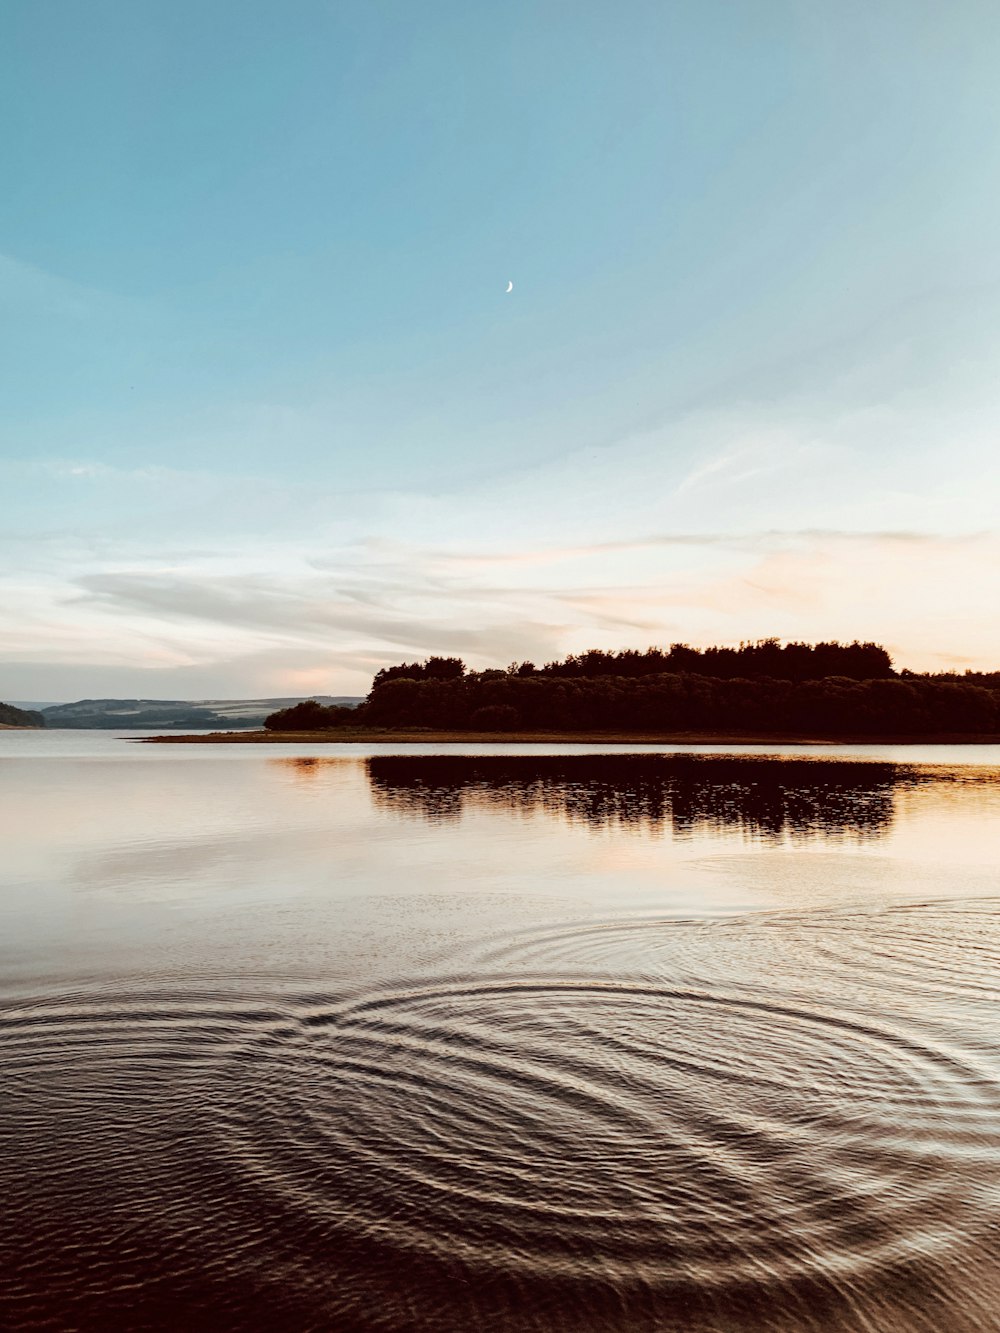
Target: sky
<point>269,419</point>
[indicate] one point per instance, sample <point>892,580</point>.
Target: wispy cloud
<point>716,528</point>
<point>901,586</point>
<point>63,469</point>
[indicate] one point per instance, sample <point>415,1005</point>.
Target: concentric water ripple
<point>559,1126</point>
<point>943,954</point>
<point>674,1146</point>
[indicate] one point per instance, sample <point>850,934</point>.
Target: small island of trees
<point>822,690</point>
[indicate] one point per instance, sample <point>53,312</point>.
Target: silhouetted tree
<point>444,668</point>
<point>311,716</point>
<point>435,668</point>
<point>763,687</point>
<point>767,657</point>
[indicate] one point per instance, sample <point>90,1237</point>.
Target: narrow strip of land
<point>418,736</point>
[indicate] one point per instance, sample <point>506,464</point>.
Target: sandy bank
<point>416,736</point>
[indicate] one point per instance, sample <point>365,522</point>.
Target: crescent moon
<point>510,286</point>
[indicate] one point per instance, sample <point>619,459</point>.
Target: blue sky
<point>269,419</point>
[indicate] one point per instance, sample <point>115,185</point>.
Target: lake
<point>519,1037</point>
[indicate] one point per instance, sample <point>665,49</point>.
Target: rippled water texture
<point>502,1041</point>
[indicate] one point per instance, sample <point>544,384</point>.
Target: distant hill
<point>173,714</point>
<point>19,717</point>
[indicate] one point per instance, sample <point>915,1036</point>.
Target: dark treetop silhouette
<point>798,689</point>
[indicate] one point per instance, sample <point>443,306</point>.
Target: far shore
<point>419,736</point>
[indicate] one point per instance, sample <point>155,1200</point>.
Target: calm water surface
<point>508,1038</point>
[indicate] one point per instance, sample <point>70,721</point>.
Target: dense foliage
<point>311,716</point>
<point>20,717</point>
<point>767,657</point>
<point>825,689</point>
<point>496,701</point>
<point>435,668</point>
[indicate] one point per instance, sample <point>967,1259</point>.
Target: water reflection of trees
<point>764,796</point>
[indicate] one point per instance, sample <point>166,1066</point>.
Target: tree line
<point>763,657</point>
<point>823,689</point>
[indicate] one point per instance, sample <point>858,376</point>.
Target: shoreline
<point>416,736</point>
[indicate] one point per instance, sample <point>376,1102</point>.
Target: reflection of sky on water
<point>290,859</point>
<point>332,1017</point>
